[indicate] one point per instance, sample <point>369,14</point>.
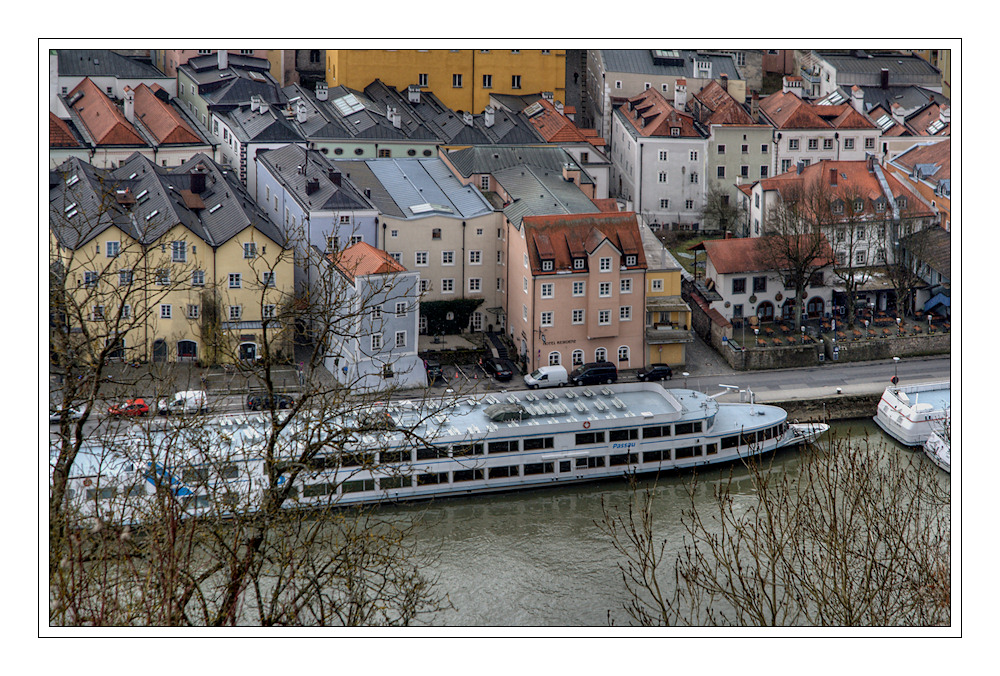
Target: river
<point>536,558</point>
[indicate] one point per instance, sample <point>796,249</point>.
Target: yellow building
<point>668,317</point>
<point>462,79</point>
<point>166,265</point>
<point>940,59</point>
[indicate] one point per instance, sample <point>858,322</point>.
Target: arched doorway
<point>159,350</point>
<point>765,311</point>
<point>187,350</point>
<point>248,351</point>
<point>788,309</point>
<point>815,307</point>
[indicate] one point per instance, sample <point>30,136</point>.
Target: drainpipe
<point>463,260</point>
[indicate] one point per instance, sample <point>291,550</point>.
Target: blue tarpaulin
<point>939,299</point>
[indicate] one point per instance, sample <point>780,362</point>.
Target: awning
<point>939,299</point>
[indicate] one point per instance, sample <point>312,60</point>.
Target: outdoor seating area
<point>762,334</point>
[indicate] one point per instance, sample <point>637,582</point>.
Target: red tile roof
<point>933,153</point>
<point>651,115</point>
<point>788,111</point>
<point>364,259</point>
<point>743,254</point>
<point>562,237</point>
<point>60,135</point>
<point>555,127</point>
<point>608,205</point>
<point>852,178</point>
<point>721,107</point>
<point>106,124</point>
<point>160,118</point>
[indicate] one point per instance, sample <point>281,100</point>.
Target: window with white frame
<point>448,285</point>
<point>793,144</point>
<point>525,260</point>
<point>197,278</point>
<point>664,154</point>
<point>848,144</point>
<point>625,286</point>
<point>126,311</point>
<point>720,171</point>
<point>376,342</point>
<point>693,177</point>
<point>524,284</point>
<point>500,284</point>
<point>664,203</point>
<point>113,249</point>
<point>869,142</point>
<point>577,357</point>
<point>97,313</point>
<point>456,80</point>
<point>662,177</point>
<point>163,276</point>
<point>267,279</point>
<point>524,312</point>
<point>689,204</point>
<point>397,256</point>
<point>813,144</point>
<point>515,81</point>
<point>235,312</point>
<point>235,280</point>
<point>828,144</point>
<point>447,258</point>
<point>579,263</point>
<point>860,257</point>
<point>178,252</point>
<point>605,265</point>
<point>166,310</point>
<point>420,258</point>
<point>604,317</point>
<point>193,311</point>
<point>376,312</point>
<point>477,321</point>
<point>425,285</point>
<point>623,352</point>
<point>656,285</point>
<point>548,290</point>
<point>400,338</point>
<point>547,266</point>
<point>475,284</point>
<point>484,181</point>
<point>475,257</point>
<point>249,250</point>
<point>422,79</point>
<point>600,354</point>
<point>267,311</point>
<point>579,288</point>
<point>546,318</point>
<point>555,358</point>
<point>578,316</point>
<point>487,81</point>
<point>604,289</point>
<point>693,155</point>
<point>124,277</point>
<point>625,313</point>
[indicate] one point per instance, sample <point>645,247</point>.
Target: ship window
<point>624,435</point>
<point>352,459</point>
<point>318,490</point>
<point>430,453</point>
<point>565,466</point>
<point>537,443</point>
<point>730,442</point>
<point>195,476</point>
<point>589,438</point>
<point>396,456</point>
<point>538,467</point>
<point>102,494</point>
<point>687,428</point>
<point>468,475</point>
<point>657,431</point>
<point>687,452</point>
<point>711,449</point>
<point>503,446</point>
<point>229,471</point>
<point>358,486</point>
<point>590,462</point>
<point>385,483</point>
<point>469,449</point>
<point>623,459</point>
<point>432,478</point>
<point>503,472</point>
<point>654,456</point>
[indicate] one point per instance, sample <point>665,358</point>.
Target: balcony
<point>660,334</point>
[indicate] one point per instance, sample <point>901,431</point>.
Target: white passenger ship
<point>475,444</point>
<point>910,413</point>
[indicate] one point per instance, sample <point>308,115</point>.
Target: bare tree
<point>187,521</point>
<point>854,536</point>
<point>721,212</point>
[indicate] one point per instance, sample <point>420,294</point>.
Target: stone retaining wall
<point>830,408</point>
<point>873,349</point>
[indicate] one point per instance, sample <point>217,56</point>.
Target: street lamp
<point>685,374</point>
<point>895,370</point>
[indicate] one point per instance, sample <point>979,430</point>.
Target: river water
<point>537,558</point>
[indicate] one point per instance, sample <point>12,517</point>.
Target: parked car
<point>131,407</point>
<point>262,402</point>
<point>546,376</point>
<point>593,373</point>
<point>501,369</point>
<point>72,413</point>
<point>655,372</point>
<point>433,367</point>
<point>189,401</point>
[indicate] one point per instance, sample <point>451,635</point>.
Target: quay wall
<point>886,348</point>
<point>832,407</point>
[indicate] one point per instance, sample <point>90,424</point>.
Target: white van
<point>189,401</point>
<point>546,376</point>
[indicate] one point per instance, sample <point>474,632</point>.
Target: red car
<point>132,407</point>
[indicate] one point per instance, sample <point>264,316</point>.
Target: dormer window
<point>837,207</point>
<point>630,260</point>
<point>675,131</point>
<point>859,205</point>
<point>880,205</point>
<point>579,263</point>
<point>901,202</point>
<point>546,266</point>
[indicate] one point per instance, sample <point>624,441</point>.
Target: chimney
<point>858,99</point>
<point>301,112</point>
<point>389,110</point>
<point>312,185</point>
<point>198,181</point>
<point>558,105</point>
<point>413,93</point>
<point>724,81</point>
<point>680,94</point>
<point>897,113</point>
<point>799,167</point>
<point>129,104</point>
<point>334,176</point>
<point>833,177</point>
<point>322,91</point>
<point>944,114</point>
<point>223,59</point>
<point>755,107</point>
<point>548,96</point>
<point>884,75</point>
<point>488,115</point>
<point>255,102</point>
<point>870,162</point>
<point>263,106</point>
<point>467,118</point>
<point>571,173</point>
<point>397,119</point>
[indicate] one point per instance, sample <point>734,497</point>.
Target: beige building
<point>170,265</point>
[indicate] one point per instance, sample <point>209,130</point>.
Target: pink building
<point>575,290</point>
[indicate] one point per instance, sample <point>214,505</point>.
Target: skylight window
<point>73,180</point>
<point>144,195</point>
<point>70,207</point>
<point>349,104</point>
<point>937,126</point>
<point>215,208</point>
<point>884,122</point>
<point>152,213</point>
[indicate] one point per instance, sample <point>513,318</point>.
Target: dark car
<point>261,402</point>
<point>501,369</point>
<point>434,371</point>
<point>594,373</point>
<point>655,372</point>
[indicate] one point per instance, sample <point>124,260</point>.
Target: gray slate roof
<point>540,192</point>
<point>872,64</point>
<point>160,207</point>
<point>413,183</point>
<point>267,127</point>
<point>103,63</point>
<point>641,62</point>
<point>283,163</point>
<point>491,159</point>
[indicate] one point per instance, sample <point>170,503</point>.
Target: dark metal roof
<point>642,62</point>
<point>284,163</point>
<point>103,63</point>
